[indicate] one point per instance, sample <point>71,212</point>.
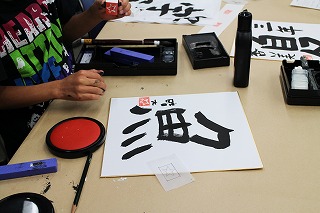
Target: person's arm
<point>82,23</point>
<point>80,86</point>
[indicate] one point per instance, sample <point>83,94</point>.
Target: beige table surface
<point>287,137</point>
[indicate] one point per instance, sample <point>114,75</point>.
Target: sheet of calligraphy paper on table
<point>196,12</point>
<point>284,41</point>
<point>207,132</point>
<point>226,15</point>
<point>314,4</point>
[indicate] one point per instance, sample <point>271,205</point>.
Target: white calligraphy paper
<point>207,132</point>
<point>284,40</point>
<point>314,4</point>
<point>224,18</point>
<point>196,12</point>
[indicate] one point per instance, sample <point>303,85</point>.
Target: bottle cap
<point>244,21</point>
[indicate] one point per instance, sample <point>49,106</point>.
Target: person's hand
<point>82,85</point>
<point>123,10</point>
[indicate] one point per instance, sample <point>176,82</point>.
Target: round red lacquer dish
<point>75,137</point>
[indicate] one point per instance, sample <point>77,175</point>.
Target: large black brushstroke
<point>223,133</point>
<point>132,139</point>
<point>145,2</point>
<point>136,151</point>
<point>139,110</point>
<point>210,124</point>
<point>134,126</point>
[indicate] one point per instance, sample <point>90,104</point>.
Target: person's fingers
<point>89,77</point>
<point>124,8</point>
<point>91,90</point>
<point>84,97</point>
<point>83,93</point>
<point>100,84</point>
<point>91,73</point>
<point>84,85</point>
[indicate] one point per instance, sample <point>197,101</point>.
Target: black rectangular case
<point>205,50</point>
<point>95,58</point>
<point>296,96</point>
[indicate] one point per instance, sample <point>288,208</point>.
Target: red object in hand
<point>112,7</point>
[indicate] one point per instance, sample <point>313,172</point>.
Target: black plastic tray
<point>101,62</point>
<point>205,50</point>
<point>295,96</point>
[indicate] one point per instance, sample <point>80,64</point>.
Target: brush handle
<point>82,180</point>
<point>124,42</point>
<point>111,42</point>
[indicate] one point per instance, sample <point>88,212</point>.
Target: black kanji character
<point>167,131</point>
<point>269,27</point>
<point>305,42</point>
<point>166,8</point>
<point>139,110</point>
<point>223,133</point>
<point>286,56</point>
<point>285,30</point>
<point>168,102</point>
<point>257,52</point>
<point>277,42</point>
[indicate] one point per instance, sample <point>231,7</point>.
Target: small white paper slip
<point>86,58</point>
<point>170,172</point>
<point>224,18</point>
<point>314,4</point>
<point>235,1</point>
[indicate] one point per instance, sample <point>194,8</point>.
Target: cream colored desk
<point>287,137</point>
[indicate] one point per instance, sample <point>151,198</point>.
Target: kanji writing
<point>187,10</point>
<point>307,45</point>
<point>280,40</point>
<point>162,135</point>
<point>283,29</point>
<point>173,131</point>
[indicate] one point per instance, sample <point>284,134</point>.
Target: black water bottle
<point>242,55</point>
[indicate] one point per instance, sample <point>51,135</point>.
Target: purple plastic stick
<point>28,168</point>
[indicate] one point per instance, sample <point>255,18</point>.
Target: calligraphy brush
<point>125,42</point>
<point>82,180</point>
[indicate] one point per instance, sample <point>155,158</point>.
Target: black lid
<point>26,203</point>
<point>244,21</point>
